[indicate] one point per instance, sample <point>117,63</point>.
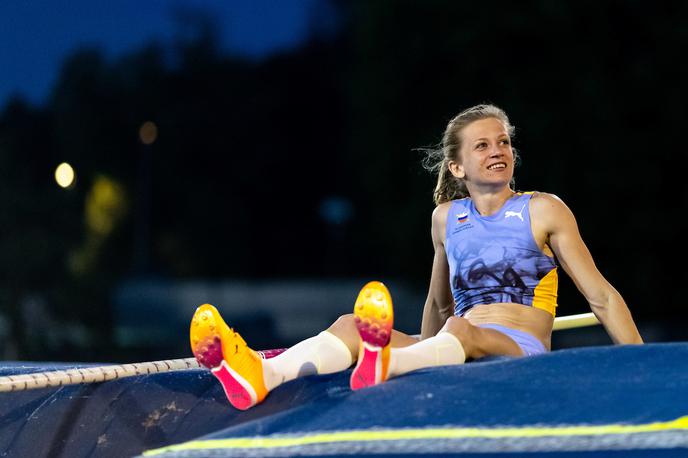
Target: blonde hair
<point>437,159</point>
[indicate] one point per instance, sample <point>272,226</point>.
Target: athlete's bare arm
<point>439,305</point>
<point>553,219</point>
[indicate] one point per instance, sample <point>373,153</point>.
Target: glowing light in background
<point>336,210</point>
<point>64,175</point>
<point>148,133</point>
<point>105,206</point>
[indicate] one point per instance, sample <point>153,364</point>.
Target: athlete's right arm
<point>439,305</point>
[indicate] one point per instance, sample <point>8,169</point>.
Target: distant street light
<point>64,175</point>
<point>148,133</point>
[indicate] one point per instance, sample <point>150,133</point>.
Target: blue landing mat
<point>629,401</point>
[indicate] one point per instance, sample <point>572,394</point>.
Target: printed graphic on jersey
<point>497,260</point>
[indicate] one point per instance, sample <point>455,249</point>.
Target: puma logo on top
<point>519,214</point>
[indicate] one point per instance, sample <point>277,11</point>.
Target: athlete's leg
<point>457,340</point>
<point>440,350</point>
<point>324,353</point>
<point>244,375</point>
<point>333,350</point>
<point>478,341</point>
<point>345,329</point>
<point>247,378</point>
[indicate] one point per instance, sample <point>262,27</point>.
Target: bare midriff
<point>534,321</point>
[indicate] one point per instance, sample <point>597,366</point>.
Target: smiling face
<point>485,159</point>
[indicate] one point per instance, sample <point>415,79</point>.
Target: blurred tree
<point>244,155</point>
<point>36,216</point>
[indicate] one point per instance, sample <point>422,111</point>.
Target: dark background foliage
<point>306,164</point>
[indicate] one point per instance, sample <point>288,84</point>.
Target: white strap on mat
<point>98,374</point>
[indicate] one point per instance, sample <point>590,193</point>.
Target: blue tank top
<point>495,258</point>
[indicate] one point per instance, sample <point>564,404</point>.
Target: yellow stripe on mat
<point>263,443</point>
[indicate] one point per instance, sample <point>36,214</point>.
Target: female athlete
<point>493,289</point>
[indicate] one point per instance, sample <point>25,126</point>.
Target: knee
<point>460,327</point>
<point>344,323</point>
<point>344,328</point>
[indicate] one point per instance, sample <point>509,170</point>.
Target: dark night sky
<point>37,35</point>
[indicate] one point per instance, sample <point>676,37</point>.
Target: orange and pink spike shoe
<point>374,317</point>
<point>217,347</point>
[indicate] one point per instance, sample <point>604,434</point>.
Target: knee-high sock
<point>321,354</point>
<point>440,350</point>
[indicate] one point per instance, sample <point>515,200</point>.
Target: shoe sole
<point>374,318</point>
<point>374,314</point>
<point>213,343</point>
<point>206,334</point>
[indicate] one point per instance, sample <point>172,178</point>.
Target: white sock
<point>440,350</point>
<point>321,354</point>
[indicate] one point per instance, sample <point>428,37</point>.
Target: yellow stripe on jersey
<point>545,296</point>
